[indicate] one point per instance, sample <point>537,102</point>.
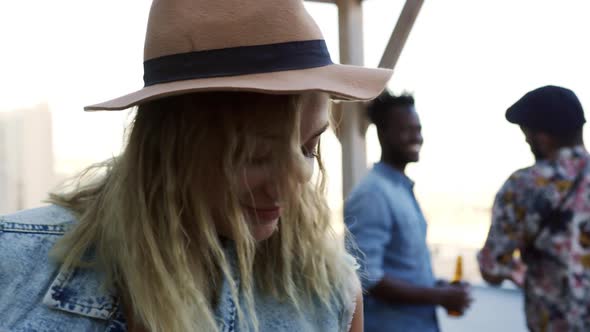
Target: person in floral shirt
<point>540,232</point>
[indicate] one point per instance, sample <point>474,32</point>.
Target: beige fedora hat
<point>267,46</point>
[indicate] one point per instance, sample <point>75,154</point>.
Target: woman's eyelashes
<point>310,152</point>
<point>263,160</point>
<point>265,156</point>
<point>312,148</point>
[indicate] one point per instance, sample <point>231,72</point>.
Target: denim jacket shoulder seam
<point>13,227</point>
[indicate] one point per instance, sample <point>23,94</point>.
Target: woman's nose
<point>271,191</point>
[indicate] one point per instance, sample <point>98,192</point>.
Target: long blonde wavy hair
<point>149,214</point>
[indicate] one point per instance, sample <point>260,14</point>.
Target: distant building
<point>26,158</point>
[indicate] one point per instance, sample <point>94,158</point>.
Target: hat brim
<point>342,82</point>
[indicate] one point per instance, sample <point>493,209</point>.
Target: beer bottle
<point>457,278</point>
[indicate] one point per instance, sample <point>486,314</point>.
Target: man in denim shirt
<point>390,230</point>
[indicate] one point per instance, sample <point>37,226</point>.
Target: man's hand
<point>517,276</point>
<point>493,280</point>
<point>455,297</point>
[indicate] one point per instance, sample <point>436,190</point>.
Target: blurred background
<point>465,62</point>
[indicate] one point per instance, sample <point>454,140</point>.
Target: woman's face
<point>258,192</point>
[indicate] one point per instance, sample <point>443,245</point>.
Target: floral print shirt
<point>552,235</point>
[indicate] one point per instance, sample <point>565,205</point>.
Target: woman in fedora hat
<point>209,219</point>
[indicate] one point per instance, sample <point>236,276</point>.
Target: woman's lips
<point>265,214</point>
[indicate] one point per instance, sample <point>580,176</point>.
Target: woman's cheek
<point>307,170</point>
<point>252,177</point>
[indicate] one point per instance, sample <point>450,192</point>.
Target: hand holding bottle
<point>456,297</point>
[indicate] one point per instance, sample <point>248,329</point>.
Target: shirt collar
<point>81,291</point>
<point>393,174</point>
<point>572,152</point>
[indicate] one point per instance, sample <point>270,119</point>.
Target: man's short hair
<point>384,103</point>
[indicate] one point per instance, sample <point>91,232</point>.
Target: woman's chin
<point>262,231</point>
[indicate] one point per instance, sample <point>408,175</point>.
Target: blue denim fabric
<point>389,229</point>
<point>35,296</point>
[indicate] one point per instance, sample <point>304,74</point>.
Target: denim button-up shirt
<point>36,296</point>
<point>390,231</point>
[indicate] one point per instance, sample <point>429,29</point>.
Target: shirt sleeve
<point>370,224</point>
<point>506,232</point>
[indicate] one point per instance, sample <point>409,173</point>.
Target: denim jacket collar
<point>80,291</point>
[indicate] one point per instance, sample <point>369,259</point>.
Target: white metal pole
<point>352,136</point>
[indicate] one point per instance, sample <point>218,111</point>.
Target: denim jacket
<point>35,296</point>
